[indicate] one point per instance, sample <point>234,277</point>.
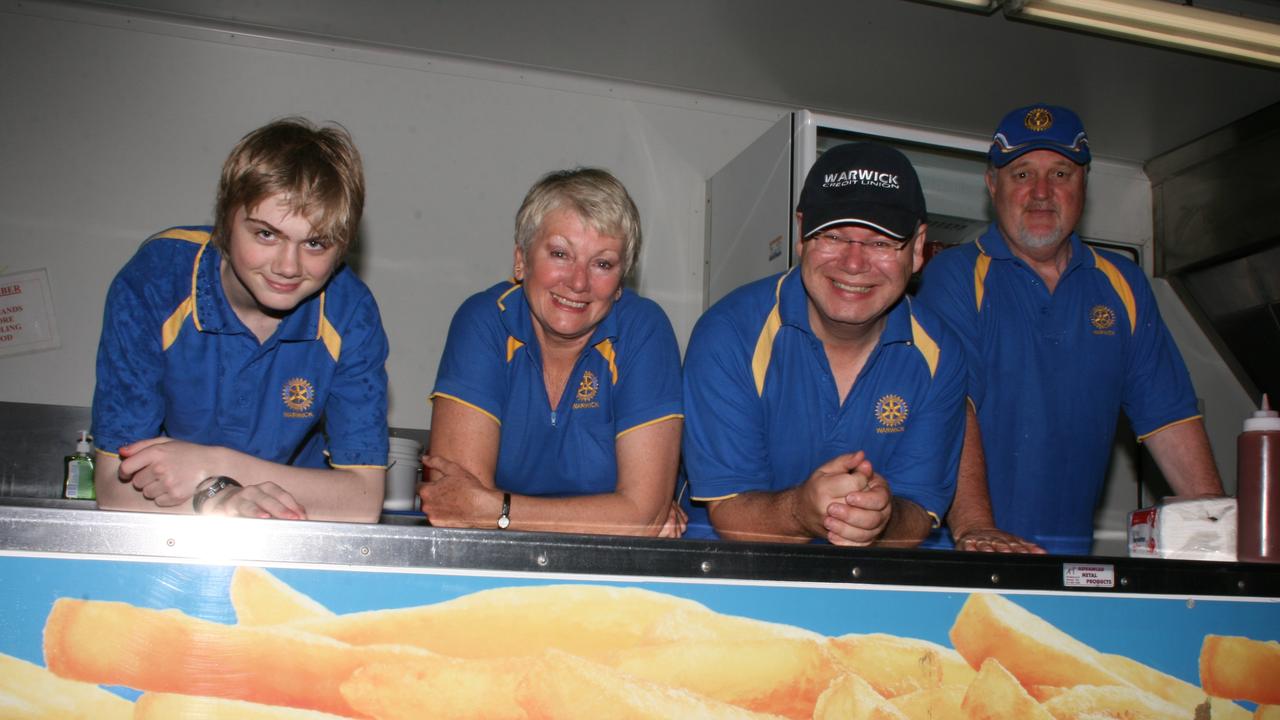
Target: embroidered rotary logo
<point>298,394</point>
<point>891,411</point>
<point>1102,317</point>
<point>1038,119</point>
<point>588,387</point>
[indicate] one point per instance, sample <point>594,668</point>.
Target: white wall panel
<point>115,126</point>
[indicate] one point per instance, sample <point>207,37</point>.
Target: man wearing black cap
<point>1061,337</point>
<point>821,403</point>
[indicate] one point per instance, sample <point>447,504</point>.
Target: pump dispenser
<point>1258,486</point>
<point>79,483</point>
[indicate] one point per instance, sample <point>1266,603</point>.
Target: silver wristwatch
<point>220,483</point>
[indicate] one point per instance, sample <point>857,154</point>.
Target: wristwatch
<point>504,520</point>
<point>215,485</point>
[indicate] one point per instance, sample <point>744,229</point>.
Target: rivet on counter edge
<point>542,560</point>
<point>170,542</point>
<point>856,572</point>
<point>705,566</point>
<point>364,551</point>
<point>995,578</point>
<point>1124,582</point>
<point>1240,584</point>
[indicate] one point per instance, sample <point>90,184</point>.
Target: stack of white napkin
<point>1201,529</point>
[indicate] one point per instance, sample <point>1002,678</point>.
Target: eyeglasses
<point>879,249</point>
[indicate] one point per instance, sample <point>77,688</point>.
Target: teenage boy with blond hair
<point>241,369</point>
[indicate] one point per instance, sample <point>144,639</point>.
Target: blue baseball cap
<point>1039,127</point>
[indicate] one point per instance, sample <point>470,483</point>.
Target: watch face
<point>503,522</point>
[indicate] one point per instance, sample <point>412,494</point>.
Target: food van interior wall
<point>115,125</point>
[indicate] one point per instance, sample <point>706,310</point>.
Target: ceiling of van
<point>897,60</point>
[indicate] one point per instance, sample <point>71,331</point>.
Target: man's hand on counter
<point>991,539</point>
<point>860,517</point>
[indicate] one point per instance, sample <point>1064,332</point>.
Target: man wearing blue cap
<point>1060,338</point>
<point>822,403</point>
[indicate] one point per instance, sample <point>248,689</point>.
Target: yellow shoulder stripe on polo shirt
<point>764,344</point>
<point>173,324</point>
<point>605,348</point>
<point>926,345</point>
<point>328,334</point>
<point>199,237</point>
<point>1121,287</point>
<point>512,346</point>
<point>169,331</point>
<point>195,270</point>
<point>980,277</point>
<point>503,296</point>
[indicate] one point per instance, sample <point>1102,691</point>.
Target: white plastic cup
<point>404,467</point>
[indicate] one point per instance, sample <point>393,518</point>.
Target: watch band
<point>220,483</point>
<point>504,520</point>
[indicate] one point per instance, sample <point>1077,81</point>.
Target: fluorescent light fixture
<point>982,5</point>
<point>1161,23</point>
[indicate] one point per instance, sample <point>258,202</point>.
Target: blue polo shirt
<point>628,376</point>
<point>1050,374</point>
<point>763,411</point>
<point>175,360</point>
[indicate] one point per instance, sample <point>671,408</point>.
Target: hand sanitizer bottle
<point>79,484</point>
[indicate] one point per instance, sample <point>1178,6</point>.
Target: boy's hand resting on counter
<point>168,471</point>
<point>264,500</point>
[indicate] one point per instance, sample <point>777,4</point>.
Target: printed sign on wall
<point>26,313</point>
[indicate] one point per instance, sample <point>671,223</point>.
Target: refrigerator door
<point>749,214</point>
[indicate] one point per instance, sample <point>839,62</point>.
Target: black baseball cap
<point>862,183</point>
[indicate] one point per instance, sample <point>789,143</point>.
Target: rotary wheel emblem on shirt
<point>1102,317</point>
<point>298,394</point>
<point>588,387</point>
<point>891,411</point>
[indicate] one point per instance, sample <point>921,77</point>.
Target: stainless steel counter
<point>74,527</point>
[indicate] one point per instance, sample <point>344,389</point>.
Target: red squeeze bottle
<point>1258,487</point>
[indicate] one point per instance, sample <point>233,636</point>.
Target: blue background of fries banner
<point>1163,632</point>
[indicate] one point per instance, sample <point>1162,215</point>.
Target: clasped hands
<point>167,472</point>
<point>845,501</point>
